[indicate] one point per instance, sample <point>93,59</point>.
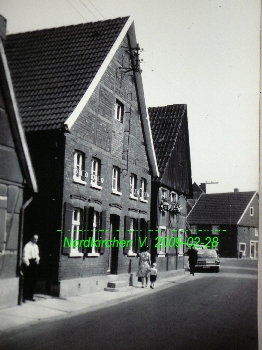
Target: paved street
<point>207,311</point>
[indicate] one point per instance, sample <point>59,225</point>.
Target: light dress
<point>144,265</point>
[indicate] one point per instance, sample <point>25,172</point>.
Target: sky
<point>203,53</point>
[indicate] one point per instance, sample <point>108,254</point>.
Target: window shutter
<point>127,234</point>
<point>88,226</point>
<point>103,228</point>
<point>138,234</point>
<point>68,215</point>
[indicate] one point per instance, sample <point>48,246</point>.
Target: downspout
<point>20,249</point>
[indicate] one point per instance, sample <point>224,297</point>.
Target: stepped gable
<point>51,69</point>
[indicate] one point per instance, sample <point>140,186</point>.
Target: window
<point>133,237</point>
<point>173,197</point>
<point>143,193</point>
<point>79,168</point>
<point>181,239</point>
<point>96,179</point>
<point>116,180</point>
<point>76,231</point>
<point>95,233</point>
<point>164,194</point>
<point>133,184</point>
<point>256,231</point>
<point>242,247</point>
<point>215,230</point>
<point>193,230</point>
<point>251,211</point>
<point>119,111</point>
<point>162,243</point>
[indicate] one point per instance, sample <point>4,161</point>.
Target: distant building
<point>17,182</point>
<point>231,219</point>
<point>172,187</point>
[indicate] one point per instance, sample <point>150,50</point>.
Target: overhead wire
<point>88,9</point>
<point>77,10</point>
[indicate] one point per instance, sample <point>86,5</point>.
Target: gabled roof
<point>52,68</point>
<point>55,71</point>
<point>165,125</point>
<point>220,208</point>
<point>15,121</point>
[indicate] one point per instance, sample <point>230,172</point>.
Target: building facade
<point>172,187</point>
<point>17,183</point>
<point>92,150</point>
<point>227,222</point>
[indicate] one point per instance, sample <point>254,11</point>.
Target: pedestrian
<point>153,275</point>
<point>144,266</point>
<point>192,258</point>
<point>30,262</point>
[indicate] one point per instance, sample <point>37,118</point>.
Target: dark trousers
<point>192,267</point>
<point>30,273</point>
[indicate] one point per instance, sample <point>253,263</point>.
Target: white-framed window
<point>253,249</point>
<point>143,190</point>
<point>162,232</point>
<point>95,233</point>
<point>163,193</point>
<point>96,179</point>
<point>215,230</point>
<point>193,229</point>
<point>242,248</point>
<point>173,197</point>
<point>133,186</point>
<point>133,237</point>
<point>251,211</point>
<point>119,111</point>
<point>79,173</point>
<point>116,180</point>
<point>256,231</point>
<point>76,231</point>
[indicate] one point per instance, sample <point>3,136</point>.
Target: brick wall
<point>98,134</point>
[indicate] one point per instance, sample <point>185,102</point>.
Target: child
<point>153,275</point>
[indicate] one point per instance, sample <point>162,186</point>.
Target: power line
<point>76,10</point>
<point>89,10</point>
<point>96,9</point>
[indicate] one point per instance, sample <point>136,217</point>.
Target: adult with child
<point>144,266</point>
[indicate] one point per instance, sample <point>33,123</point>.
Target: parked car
<point>207,259</point>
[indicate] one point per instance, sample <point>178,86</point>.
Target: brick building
<point>17,183</point>
<point>81,98</point>
<point>231,219</point>
<point>172,187</point>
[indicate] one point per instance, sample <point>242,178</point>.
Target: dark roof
<point>165,125</point>
<point>220,208</point>
<point>52,68</point>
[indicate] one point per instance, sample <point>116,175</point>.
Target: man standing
<point>30,261</point>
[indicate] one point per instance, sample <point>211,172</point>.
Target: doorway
<point>253,249</point>
<point>113,251</point>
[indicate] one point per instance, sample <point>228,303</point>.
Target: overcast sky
<point>203,53</point>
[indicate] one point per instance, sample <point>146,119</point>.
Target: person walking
<point>192,258</point>
<point>144,266</point>
<point>30,262</point>
<point>153,275</point>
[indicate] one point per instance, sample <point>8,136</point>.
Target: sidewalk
<point>47,308</point>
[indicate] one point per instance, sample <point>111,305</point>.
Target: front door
<point>113,251</point>
<point>253,249</point>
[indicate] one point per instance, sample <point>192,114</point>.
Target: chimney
<point>236,189</point>
<point>2,28</point>
<point>203,187</point>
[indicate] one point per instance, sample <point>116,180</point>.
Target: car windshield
<point>207,253</point>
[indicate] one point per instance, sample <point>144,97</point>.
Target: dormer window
<point>164,194</point>
<point>119,111</point>
<point>79,173</point>
<point>173,197</point>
